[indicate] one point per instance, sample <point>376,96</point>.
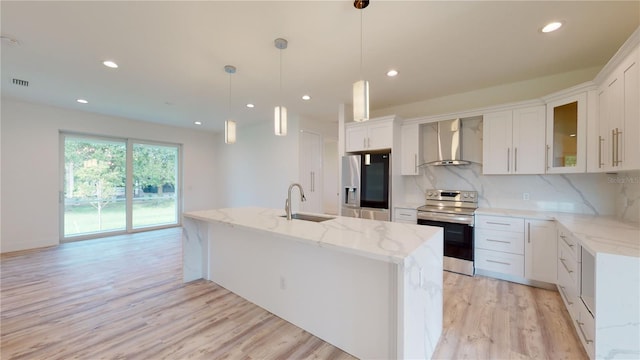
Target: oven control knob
<point>466,195</point>
<point>430,193</point>
<point>472,195</point>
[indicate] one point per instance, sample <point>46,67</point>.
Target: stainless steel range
<point>452,210</point>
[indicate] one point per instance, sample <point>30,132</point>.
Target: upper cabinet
<point>567,134</point>
<point>410,149</point>
<point>513,141</point>
<point>615,142</point>
<point>369,135</point>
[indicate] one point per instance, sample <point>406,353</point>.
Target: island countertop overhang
<point>378,240</point>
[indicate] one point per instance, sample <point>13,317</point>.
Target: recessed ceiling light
<point>111,64</point>
<point>82,101</point>
<point>306,97</point>
<point>392,73</point>
<point>552,26</point>
<point>197,122</point>
<point>251,106</point>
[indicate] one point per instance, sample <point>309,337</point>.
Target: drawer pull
<point>499,241</point>
<point>564,238</point>
<point>565,294</point>
<point>499,262</point>
<point>565,265</point>
<point>584,336</point>
<point>497,223</point>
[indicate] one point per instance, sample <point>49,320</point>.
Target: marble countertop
<point>599,234</point>
<point>379,240</point>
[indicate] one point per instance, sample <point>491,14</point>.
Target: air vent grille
<point>20,82</point>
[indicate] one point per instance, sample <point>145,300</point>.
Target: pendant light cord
<point>361,45</point>
<point>280,76</point>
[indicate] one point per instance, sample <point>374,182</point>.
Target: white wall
<point>258,169</point>
<point>30,178</point>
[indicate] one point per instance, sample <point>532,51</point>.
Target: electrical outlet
<point>525,196</point>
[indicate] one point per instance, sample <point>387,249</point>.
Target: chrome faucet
<point>287,203</point>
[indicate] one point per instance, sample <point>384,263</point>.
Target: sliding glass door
<point>155,180</point>
<point>117,185</point>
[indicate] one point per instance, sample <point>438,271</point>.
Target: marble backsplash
<point>595,194</point>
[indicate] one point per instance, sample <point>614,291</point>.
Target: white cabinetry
<point>513,141</point>
<point>410,150</point>
<point>405,215</point>
<point>540,251</point>
<point>567,134</point>
<point>311,148</point>
<point>617,143</point>
<point>499,245</point>
<point>369,135</point>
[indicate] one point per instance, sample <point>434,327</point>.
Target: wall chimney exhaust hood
<point>449,143</point>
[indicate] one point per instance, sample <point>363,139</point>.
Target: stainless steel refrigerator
<point>365,186</point>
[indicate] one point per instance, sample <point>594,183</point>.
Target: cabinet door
<point>630,138</point>
<point>311,171</point>
<point>380,136</point>
<point>566,135</point>
<point>496,143</point>
<point>410,149</point>
<point>540,250</point>
<point>529,140</point>
<point>356,138</point>
<point>602,139</point>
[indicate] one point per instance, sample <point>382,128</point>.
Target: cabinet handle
<point>368,143</point>
<point>584,336</point>
<point>565,294</point>
<point>508,155</point>
<point>565,265</point>
<point>546,158</point>
<point>529,232</point>
<point>515,160</point>
<point>498,262</point>
<point>497,223</point>
<point>600,141</point>
<point>415,162</point>
<point>499,241</point>
<point>613,148</point>
<point>564,238</point>
<point>364,143</point>
<point>313,182</point>
<point>618,161</point>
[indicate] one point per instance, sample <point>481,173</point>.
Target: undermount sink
<point>306,217</point>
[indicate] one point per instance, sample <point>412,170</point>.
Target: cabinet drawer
<point>568,240</point>
<point>567,265</point>
<point>406,215</point>
<point>500,223</point>
<point>504,263</point>
<point>505,241</point>
<point>569,294</point>
<point>586,328</point>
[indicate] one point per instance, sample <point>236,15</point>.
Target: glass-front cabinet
<point>566,134</point>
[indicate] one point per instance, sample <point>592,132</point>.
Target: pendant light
<point>361,87</point>
<point>229,125</point>
<point>280,113</point>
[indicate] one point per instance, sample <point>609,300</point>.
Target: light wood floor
<point>123,297</point>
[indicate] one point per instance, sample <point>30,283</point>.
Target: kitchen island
<point>371,288</point>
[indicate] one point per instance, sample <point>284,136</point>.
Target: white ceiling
<point>172,54</point>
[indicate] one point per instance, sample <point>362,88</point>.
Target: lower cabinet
<point>405,215</point>
<point>499,245</point>
<point>540,250</point>
<point>516,249</point>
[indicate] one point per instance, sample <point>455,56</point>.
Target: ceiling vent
<point>20,82</point>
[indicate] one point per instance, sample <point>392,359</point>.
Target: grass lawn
<point>83,219</point>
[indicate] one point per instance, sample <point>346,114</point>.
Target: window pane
<point>94,186</point>
<point>155,174</point>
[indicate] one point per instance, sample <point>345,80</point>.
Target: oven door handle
<point>451,218</point>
